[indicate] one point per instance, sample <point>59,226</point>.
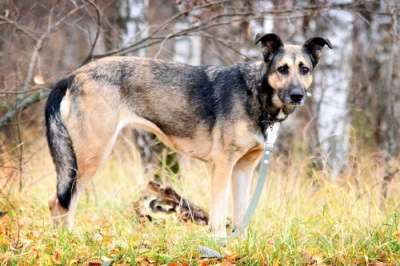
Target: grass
<point>303,219</point>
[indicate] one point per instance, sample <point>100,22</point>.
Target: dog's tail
<point>60,144</point>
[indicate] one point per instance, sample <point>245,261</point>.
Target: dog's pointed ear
<point>270,43</point>
<point>314,46</point>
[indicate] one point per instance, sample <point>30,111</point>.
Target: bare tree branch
<point>40,43</point>
<point>223,43</point>
<point>131,47</point>
<point>22,104</point>
<point>242,15</point>
<point>98,21</point>
<point>19,27</point>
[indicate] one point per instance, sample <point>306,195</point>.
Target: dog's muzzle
<point>294,96</point>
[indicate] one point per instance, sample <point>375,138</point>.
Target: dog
<point>218,114</point>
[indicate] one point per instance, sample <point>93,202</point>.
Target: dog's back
<point>176,97</point>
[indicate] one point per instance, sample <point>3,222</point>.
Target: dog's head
<point>289,69</point>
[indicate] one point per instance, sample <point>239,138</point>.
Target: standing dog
<point>217,114</point>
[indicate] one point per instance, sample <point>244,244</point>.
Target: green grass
<point>303,219</point>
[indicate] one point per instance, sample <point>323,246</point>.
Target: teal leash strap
<point>272,134</point>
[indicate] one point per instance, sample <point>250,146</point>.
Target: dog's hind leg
<point>79,138</point>
<point>89,158</point>
<point>90,148</point>
<point>241,183</point>
<point>63,204</point>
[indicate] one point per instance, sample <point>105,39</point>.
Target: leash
<point>271,136</point>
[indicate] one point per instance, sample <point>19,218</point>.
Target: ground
<point>303,219</point>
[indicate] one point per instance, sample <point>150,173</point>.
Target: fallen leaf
<point>94,263</point>
<point>57,258</point>
<point>377,263</point>
<point>38,79</point>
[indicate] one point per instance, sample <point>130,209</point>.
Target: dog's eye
<point>283,70</point>
<point>304,70</point>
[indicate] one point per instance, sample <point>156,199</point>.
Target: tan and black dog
<point>218,114</point>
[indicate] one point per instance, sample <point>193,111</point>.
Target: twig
<point>224,44</point>
<point>162,45</point>
<point>19,27</point>
<point>40,43</point>
<point>98,21</point>
<point>186,12</point>
<point>22,104</point>
<point>18,91</point>
<point>20,154</point>
<point>132,47</point>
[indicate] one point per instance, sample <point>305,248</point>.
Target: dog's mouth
<point>301,103</point>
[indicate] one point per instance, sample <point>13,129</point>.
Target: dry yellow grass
<point>303,218</point>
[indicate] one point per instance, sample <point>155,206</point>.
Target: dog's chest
<point>245,136</point>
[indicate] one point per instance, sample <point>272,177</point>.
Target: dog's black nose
<point>296,97</point>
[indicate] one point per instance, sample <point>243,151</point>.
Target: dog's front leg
<point>241,183</point>
<point>221,180</point>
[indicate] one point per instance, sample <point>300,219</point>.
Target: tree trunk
<point>331,91</point>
